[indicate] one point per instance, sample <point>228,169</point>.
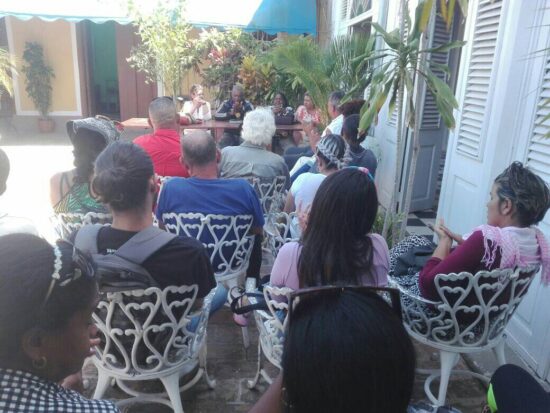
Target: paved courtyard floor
<point>229,363</point>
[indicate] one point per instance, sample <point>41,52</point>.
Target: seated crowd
<point>336,266</point>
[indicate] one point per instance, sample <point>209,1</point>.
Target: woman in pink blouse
<point>308,115</point>
<point>336,246</point>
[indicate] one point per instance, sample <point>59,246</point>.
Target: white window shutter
<point>474,105</point>
<point>344,10</point>
<point>430,116</point>
<point>538,153</point>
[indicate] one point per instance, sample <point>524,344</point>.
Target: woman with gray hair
<point>253,158</point>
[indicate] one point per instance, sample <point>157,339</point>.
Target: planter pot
<point>46,125</point>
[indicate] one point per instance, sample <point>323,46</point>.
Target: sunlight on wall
<point>56,39</point>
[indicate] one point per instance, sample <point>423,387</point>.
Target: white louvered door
<point>467,172</point>
<point>529,330</point>
<point>433,132</point>
<point>474,117</point>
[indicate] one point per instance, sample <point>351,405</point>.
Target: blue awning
<point>271,16</point>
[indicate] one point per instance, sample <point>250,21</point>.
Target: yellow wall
<point>56,39</point>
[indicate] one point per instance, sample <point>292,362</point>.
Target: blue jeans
<point>219,299</point>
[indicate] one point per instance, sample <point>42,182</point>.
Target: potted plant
<point>38,83</point>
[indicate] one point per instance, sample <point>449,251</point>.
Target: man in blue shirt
<point>233,109</point>
<point>205,193</point>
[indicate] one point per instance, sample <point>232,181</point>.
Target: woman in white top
<point>331,156</point>
<point>197,107</point>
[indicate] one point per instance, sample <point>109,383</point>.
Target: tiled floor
<point>417,223</point>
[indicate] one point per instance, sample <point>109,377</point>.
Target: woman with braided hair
<point>519,200</point>
<point>332,155</point>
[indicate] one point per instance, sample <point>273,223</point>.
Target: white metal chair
<point>270,192</point>
<point>280,228</point>
<point>145,337</point>
<point>471,317</point>
<point>225,237</point>
<point>66,223</point>
<point>161,180</point>
<point>271,326</point>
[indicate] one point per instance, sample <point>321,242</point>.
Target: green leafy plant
<point>405,66</point>
<point>7,67</point>
<point>343,65</point>
<point>223,56</point>
<point>166,52</point>
<point>38,77</point>
<point>394,222</point>
<point>256,78</point>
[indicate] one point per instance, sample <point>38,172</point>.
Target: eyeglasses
<point>82,266</point>
<point>316,294</point>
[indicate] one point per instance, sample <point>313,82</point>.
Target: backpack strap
<point>86,238</point>
<point>144,244</point>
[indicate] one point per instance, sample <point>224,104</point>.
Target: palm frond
<point>7,67</point>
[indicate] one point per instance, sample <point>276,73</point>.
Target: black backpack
<point>123,270</point>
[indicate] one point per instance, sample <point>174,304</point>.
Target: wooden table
<point>218,126</point>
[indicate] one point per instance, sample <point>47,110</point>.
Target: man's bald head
<point>198,148</point>
<point>163,113</point>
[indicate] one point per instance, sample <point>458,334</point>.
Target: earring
<point>40,364</point>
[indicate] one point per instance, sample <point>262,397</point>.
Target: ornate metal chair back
<point>280,228</point>
<point>226,238</point>
<point>270,192</point>
<point>144,332</point>
<point>474,308</point>
<point>66,223</point>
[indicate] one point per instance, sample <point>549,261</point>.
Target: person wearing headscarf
<point>69,190</point>
<point>331,156</point>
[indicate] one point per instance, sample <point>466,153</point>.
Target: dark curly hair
<point>529,194</point>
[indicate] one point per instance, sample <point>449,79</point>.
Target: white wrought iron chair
<point>160,180</point>
<point>225,237</point>
<point>471,317</point>
<point>270,192</point>
<point>227,240</point>
<point>145,337</point>
<point>271,326</point>
<point>66,223</point>
<point>280,228</point>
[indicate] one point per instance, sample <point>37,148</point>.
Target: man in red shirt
<point>163,146</point>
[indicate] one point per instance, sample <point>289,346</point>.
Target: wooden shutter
<point>538,153</point>
<point>472,122</point>
<point>430,116</point>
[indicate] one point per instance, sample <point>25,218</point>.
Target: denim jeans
<point>219,299</point>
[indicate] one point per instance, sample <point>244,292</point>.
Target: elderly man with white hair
<point>253,158</point>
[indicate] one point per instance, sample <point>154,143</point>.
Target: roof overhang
<point>270,16</point>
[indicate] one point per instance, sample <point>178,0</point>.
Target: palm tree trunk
<point>419,87</point>
<point>391,211</point>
